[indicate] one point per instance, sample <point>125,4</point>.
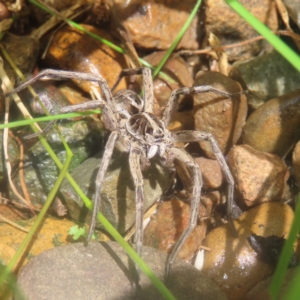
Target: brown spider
<point>135,130</point>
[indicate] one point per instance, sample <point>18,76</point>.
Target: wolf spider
<point>135,130</point>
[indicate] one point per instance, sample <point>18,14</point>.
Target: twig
<point>13,223</point>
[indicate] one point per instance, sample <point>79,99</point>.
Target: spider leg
<point>109,147</point>
<point>187,136</point>
<point>58,74</point>
<point>135,168</point>
<point>148,95</point>
<point>188,90</point>
<point>184,157</point>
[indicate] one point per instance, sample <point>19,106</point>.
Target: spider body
<point>135,130</point>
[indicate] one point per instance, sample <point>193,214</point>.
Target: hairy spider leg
<point>188,136</point>
<point>109,148</point>
<point>148,94</point>
<point>187,159</point>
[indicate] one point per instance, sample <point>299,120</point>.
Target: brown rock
<point>211,173</point>
<point>261,290</point>
<point>296,162</point>
<point>74,50</point>
<point>232,264</point>
<point>221,116</point>
<point>230,28</point>
<point>259,177</point>
<point>169,222</point>
<point>156,24</point>
<point>275,126</point>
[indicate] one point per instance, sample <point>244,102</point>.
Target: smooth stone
<point>217,114</point>
<point>275,126</point>
<point>266,76</point>
<point>118,194</point>
<point>101,271</point>
<point>232,263</point>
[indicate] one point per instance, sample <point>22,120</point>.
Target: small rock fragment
<point>266,76</point>
<point>219,115</point>
<point>232,263</point>
<point>275,126</point>
<point>261,290</point>
<point>23,50</point>
<point>117,194</point>
<point>74,50</point>
<point>101,271</point>
<point>230,28</point>
<point>169,222</point>
<point>40,171</point>
<point>296,162</point>
<point>156,24</point>
<point>259,177</point>
<point>212,174</point>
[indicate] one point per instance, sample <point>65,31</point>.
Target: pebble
<point>261,290</point>
<point>275,126</point>
<point>155,25</point>
<point>266,76</point>
<point>221,116</point>
<point>101,271</point>
<point>169,222</point>
<point>232,264</point>
<point>259,177</point>
<point>230,28</point>
<point>118,194</point>
<point>74,50</point>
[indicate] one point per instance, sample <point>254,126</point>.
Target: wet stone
<point>40,171</point>
<point>73,50</point>
<point>167,225</point>
<point>232,263</point>
<point>275,126</point>
<point>261,290</point>
<point>156,24</point>
<point>259,177</point>
<point>23,50</point>
<point>118,194</point>
<point>266,76</point>
<point>101,271</point>
<point>219,115</point>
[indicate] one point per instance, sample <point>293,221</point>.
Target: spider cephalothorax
<point>135,130</point>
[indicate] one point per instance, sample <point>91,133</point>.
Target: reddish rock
<point>169,222</point>
<point>259,177</point>
<point>156,24</point>
<point>74,50</point>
